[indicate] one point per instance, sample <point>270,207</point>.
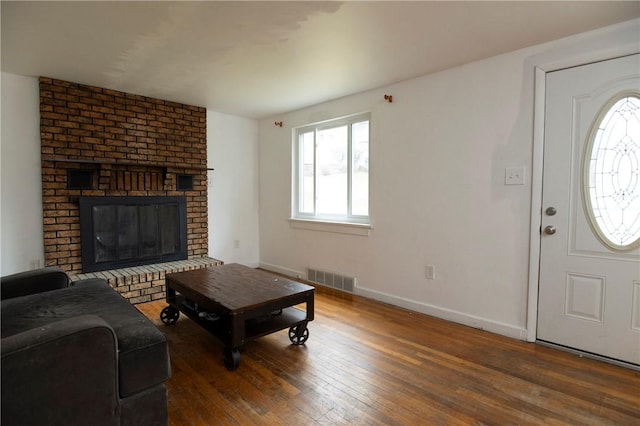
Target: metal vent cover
<point>331,279</point>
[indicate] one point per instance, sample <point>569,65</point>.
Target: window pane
<point>614,168</point>
<point>332,169</point>
<point>332,157</point>
<point>307,147</point>
<point>360,168</point>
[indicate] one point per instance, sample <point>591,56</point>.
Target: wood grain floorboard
<point>368,363</point>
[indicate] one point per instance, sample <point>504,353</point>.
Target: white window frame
<point>349,218</point>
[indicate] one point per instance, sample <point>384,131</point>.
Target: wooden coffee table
<point>237,303</point>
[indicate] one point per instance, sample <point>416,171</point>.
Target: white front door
<point>589,290</point>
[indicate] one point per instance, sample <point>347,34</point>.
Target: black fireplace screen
<point>118,232</point>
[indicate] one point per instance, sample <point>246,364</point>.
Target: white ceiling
<point>257,59</point>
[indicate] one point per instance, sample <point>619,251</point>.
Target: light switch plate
<point>514,176</point>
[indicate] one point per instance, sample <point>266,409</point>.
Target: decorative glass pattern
<point>612,173</point>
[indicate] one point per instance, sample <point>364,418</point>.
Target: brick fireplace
<point>101,142</point>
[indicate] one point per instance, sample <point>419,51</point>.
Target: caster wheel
<point>296,337</point>
<point>169,315</point>
<point>231,358</point>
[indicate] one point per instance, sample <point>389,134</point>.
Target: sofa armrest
<point>62,373</point>
<point>30,282</point>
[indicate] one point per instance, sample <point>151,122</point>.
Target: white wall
<point>233,200</point>
<point>21,235</point>
<point>438,159</point>
<point>232,149</point>
<point>438,196</point>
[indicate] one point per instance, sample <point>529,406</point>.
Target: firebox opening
<point>118,232</point>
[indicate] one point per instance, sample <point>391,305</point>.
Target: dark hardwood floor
<point>371,363</point>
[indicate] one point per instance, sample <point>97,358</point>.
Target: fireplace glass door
<point>129,231</point>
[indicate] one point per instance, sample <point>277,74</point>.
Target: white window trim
<point>301,220</point>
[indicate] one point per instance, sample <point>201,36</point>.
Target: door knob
<point>551,211</point>
<point>550,230</point>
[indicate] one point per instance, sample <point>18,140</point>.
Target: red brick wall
<point>134,145</point>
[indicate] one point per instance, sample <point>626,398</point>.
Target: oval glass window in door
<point>611,173</point>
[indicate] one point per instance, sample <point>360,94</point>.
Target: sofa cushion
<point>142,348</point>
<point>62,373</point>
<point>34,281</point>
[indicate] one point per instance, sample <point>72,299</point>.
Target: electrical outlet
<point>430,272</point>
<point>236,243</point>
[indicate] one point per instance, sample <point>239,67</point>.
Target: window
<point>332,171</point>
<point>611,175</point>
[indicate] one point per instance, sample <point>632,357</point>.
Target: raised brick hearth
<point>141,284</point>
<point>100,142</point>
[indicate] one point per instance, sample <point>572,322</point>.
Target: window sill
<point>361,229</point>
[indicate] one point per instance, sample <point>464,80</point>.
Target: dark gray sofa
<point>78,355</point>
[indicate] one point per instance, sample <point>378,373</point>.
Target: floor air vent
<point>331,279</point>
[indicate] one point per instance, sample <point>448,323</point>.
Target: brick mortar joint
<point>75,121</point>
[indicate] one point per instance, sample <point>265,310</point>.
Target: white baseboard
<point>480,323</point>
<point>282,270</point>
<point>492,326</point>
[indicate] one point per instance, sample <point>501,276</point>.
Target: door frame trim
<point>539,101</point>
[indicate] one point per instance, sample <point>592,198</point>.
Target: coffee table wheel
<point>231,358</point>
<point>169,315</point>
<point>298,334</point>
